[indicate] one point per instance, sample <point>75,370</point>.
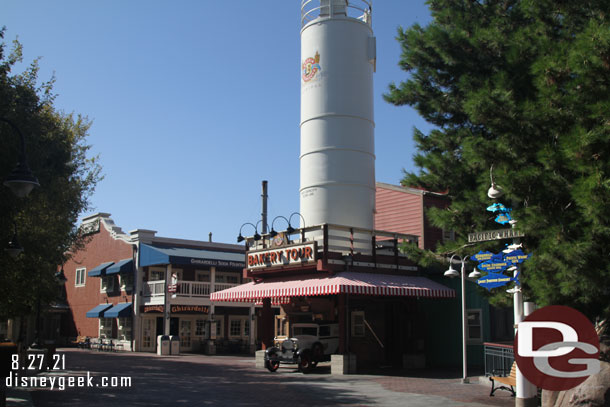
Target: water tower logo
<point>310,67</point>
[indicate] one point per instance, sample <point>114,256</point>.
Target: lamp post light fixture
<point>21,181</point>
<point>451,272</point>
<point>494,191</point>
<point>290,229</point>
<point>273,232</point>
<point>240,238</point>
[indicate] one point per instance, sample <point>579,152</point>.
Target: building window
<point>200,327</point>
<point>473,319</point>
<point>107,284</point>
<point>156,275</point>
<point>79,281</point>
<point>235,327</point>
<point>125,329</point>
<point>185,333</point>
<point>448,235</point>
<point>126,282</point>
<point>358,323</point>
<point>247,328</point>
<point>106,328</point>
<point>202,276</point>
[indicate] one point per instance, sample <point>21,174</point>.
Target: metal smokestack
<point>264,197</point>
<point>337,124</point>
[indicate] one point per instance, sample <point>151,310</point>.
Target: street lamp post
<point>21,181</point>
<point>451,272</point>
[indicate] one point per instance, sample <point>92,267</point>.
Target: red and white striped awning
<point>281,289</point>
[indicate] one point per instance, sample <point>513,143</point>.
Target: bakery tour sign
<point>282,256</point>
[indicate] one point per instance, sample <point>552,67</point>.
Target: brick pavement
<point>199,380</point>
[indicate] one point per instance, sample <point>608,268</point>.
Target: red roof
<point>280,289</point>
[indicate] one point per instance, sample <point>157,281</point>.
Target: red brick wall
<point>99,249</point>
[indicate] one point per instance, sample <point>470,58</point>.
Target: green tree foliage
<point>46,218</point>
<point>522,85</point>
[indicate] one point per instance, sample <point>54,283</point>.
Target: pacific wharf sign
<point>282,256</point>
<point>499,234</point>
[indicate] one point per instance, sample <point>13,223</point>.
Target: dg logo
<point>557,348</point>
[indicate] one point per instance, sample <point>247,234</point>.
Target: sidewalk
<point>234,381</point>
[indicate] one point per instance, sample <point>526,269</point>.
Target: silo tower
<point>337,125</point>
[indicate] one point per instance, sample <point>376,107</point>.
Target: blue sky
<point>195,102</point>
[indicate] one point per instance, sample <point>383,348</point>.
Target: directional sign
<point>491,266</point>
<point>517,256</point>
<point>494,280</point>
<point>489,235</point>
<point>503,218</point>
<point>481,256</point>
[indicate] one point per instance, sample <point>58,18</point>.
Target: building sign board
<point>489,235</point>
<point>176,309</point>
<point>282,256</point>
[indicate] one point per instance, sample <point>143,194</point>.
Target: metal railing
<point>358,9</point>
<point>342,239</point>
<point>499,359</point>
<point>184,288</point>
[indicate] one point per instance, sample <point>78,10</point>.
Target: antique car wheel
<point>305,364</point>
<point>317,354</point>
<point>272,365</point>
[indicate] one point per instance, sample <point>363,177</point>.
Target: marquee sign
<point>282,256</point>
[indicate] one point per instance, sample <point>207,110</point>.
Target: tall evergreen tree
<point>523,86</point>
<point>45,219</point>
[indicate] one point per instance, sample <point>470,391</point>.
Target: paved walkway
<point>199,380</point>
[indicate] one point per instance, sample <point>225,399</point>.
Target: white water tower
<point>337,124</point>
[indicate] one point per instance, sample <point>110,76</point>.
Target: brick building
<point>129,288</point>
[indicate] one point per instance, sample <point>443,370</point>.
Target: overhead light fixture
<point>451,272</point>
<point>495,191</point>
<point>474,274</point>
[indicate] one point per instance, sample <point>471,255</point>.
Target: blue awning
<point>98,311</point>
<point>119,310</point>
<point>123,266</point>
<point>154,256</point>
<point>100,270</point>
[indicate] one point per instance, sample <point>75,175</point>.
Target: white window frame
<point>107,287</point>
<point>125,328</point>
<point>156,270</point>
<point>106,328</point>
<point>469,325</point>
<point>358,329</point>
<point>80,282</point>
<point>126,281</point>
<point>239,320</point>
<point>201,328</point>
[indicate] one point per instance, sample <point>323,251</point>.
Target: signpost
<point>489,235</point>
